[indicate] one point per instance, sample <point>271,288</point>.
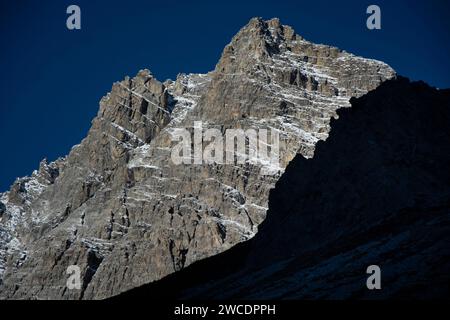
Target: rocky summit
<point>118,207</point>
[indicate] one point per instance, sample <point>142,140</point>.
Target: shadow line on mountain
<point>377,191</point>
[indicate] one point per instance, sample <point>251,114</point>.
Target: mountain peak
<point>119,207</point>
<point>257,40</point>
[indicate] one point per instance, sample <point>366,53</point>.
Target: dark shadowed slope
<point>122,210</point>
<point>376,192</point>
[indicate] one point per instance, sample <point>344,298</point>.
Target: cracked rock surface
<point>376,192</point>
<point>120,209</point>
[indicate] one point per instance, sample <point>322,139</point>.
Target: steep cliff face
<point>377,192</point>
<point>119,208</point>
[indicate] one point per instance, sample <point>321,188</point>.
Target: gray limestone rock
<point>120,209</point>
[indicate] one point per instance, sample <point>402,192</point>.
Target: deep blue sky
<point>51,79</point>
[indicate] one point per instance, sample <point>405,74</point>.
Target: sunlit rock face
<point>119,208</point>
<point>376,193</point>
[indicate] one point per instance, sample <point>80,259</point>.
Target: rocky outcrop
<point>376,192</point>
<point>120,209</point>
